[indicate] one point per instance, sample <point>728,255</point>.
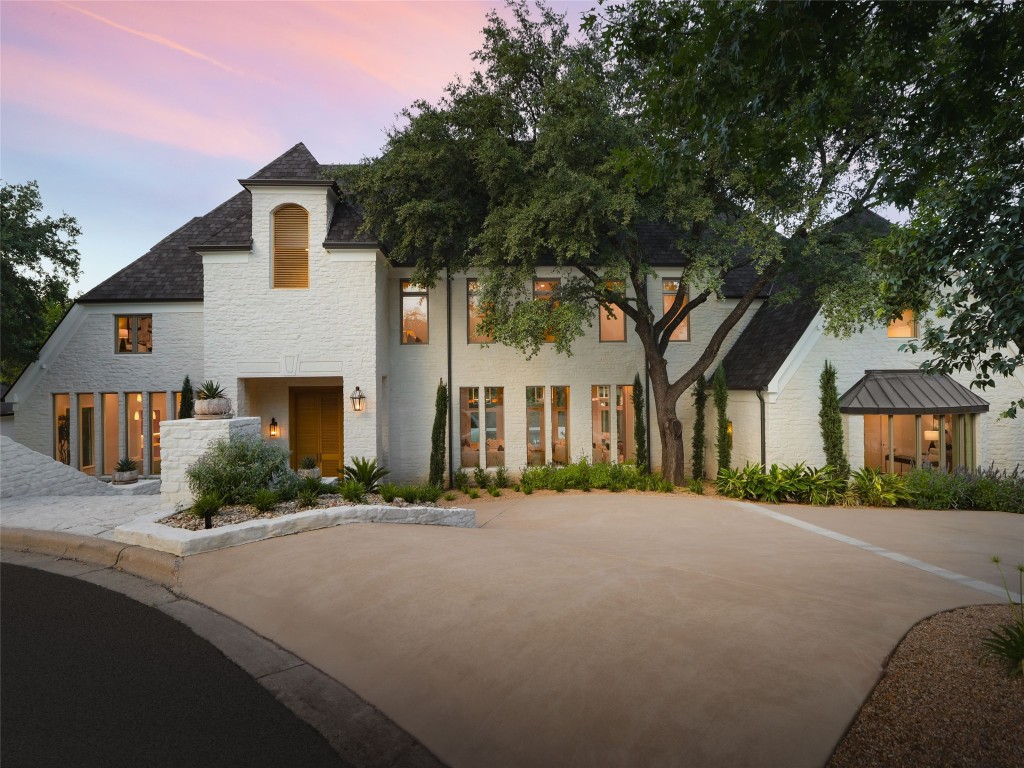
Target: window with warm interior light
<point>133,334</point>
<point>469,426</point>
<point>157,413</point>
<point>612,320</point>
<point>544,289</point>
<point>904,326</point>
<point>87,433</point>
<point>669,290</point>
<point>475,315</point>
<point>414,313</point>
<point>535,426</point>
<point>494,425</point>
<point>133,427</point>
<point>601,429</point>
<point>291,247</point>
<point>62,428</point>
<point>560,425</point>
<point>625,420</point>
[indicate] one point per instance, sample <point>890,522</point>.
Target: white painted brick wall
<point>82,360</point>
<point>184,441</point>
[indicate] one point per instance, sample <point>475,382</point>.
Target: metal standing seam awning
<point>909,392</point>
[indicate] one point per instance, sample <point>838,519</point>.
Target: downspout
<point>451,414</point>
<point>764,452</point>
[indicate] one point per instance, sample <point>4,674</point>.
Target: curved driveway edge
<point>358,732</point>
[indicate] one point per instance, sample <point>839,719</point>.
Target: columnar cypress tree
<point>831,421</point>
<point>187,400</point>
<point>639,424</point>
<point>437,441</point>
<point>700,399</point>
<point>721,395</point>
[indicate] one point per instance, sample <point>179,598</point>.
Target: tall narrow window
<point>110,439</point>
<point>86,434</point>
<point>494,423</point>
<point>602,423</point>
<point>624,423</point>
<point>904,326</point>
<point>291,247</point>
<point>474,314</point>
<point>535,426</point>
<point>669,289</point>
<point>469,426</point>
<point>133,427</point>
<point>62,428</point>
<point>559,425</point>
<point>612,321</point>
<point>157,413</point>
<point>134,334</point>
<point>544,289</point>
<point>414,313</point>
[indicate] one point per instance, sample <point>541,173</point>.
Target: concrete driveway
<point>593,629</point>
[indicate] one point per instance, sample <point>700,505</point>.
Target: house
<point>307,325</point>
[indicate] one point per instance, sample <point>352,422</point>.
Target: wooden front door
<point>317,427</point>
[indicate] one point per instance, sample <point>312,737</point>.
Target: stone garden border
<point>148,532</point>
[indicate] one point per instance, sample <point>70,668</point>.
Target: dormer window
<point>291,247</point>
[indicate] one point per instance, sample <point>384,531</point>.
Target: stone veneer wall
<point>185,440</point>
<point>30,473</point>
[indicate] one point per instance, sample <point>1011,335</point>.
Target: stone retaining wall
<point>182,441</point>
<point>30,473</point>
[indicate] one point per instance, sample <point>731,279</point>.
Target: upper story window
<point>291,247</point>
<point>612,321</point>
<point>414,313</point>
<point>134,334</point>
<point>544,289</point>
<point>669,289</point>
<point>474,314</point>
<point>904,326</point>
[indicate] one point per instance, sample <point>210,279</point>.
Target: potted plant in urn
<point>126,472</point>
<point>211,403</point>
<point>308,468</point>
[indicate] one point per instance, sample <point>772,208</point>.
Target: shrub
<point>527,489</point>
<point>187,400</point>
<point>263,499</point>
<point>449,496</point>
<point>831,422</point>
<point>308,496</point>
<point>474,493</point>
<point>723,443</point>
<point>876,489</point>
<point>437,441</point>
<point>367,472</point>
<point>126,465</point>
<point>388,491</point>
<point>696,486</point>
<point>235,468</point>
<point>640,425</point>
<point>989,489</point>
<point>307,462</point>
<point>481,478</point>
<point>429,493</point>
<point>501,477</point>
<point>352,490</point>
<point>1006,642</point>
<point>314,485</point>
<point>494,491</point>
<point>286,485</point>
<point>700,399</point>
<point>461,480</point>
<point>206,506</point>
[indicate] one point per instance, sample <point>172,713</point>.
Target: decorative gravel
<point>240,513</point>
<point>939,703</point>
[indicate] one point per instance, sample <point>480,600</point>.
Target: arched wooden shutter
<point>291,247</point>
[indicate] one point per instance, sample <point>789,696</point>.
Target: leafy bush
<point>236,468</point>
<point>388,491</point>
<point>263,499</point>
<point>873,488</point>
<point>366,472</point>
<point>315,485</point>
<point>797,483</point>
<point>481,478</point>
<point>988,489</point>
<point>696,486</point>
<point>495,491</point>
<point>308,462</point>
<point>1006,642</point>
<point>461,480</point>
<point>286,485</point>
<point>449,496</point>
<point>352,490</point>
<point>308,496</point>
<point>501,477</point>
<point>474,493</point>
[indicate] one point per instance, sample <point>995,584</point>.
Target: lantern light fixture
<point>358,400</point>
<point>274,429</point>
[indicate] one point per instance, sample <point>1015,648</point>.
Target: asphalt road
<point>91,677</point>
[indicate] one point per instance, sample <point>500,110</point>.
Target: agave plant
<point>367,472</point>
<point>210,390</point>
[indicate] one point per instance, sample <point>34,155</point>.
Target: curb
<point>159,567</point>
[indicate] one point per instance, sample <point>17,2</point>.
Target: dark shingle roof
<point>344,226</point>
<point>909,391</point>
<point>171,270</point>
<point>297,163</point>
<point>766,342</point>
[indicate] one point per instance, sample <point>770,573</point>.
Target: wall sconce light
<point>358,400</point>
<point>274,429</point>
<point>728,429</point>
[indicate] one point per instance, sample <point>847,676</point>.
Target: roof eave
<point>326,183</point>
<point>220,247</point>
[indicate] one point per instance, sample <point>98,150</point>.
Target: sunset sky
<point>136,116</point>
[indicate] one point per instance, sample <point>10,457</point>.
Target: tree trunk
<point>670,428</point>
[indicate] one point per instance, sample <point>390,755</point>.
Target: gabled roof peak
<point>297,163</point>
